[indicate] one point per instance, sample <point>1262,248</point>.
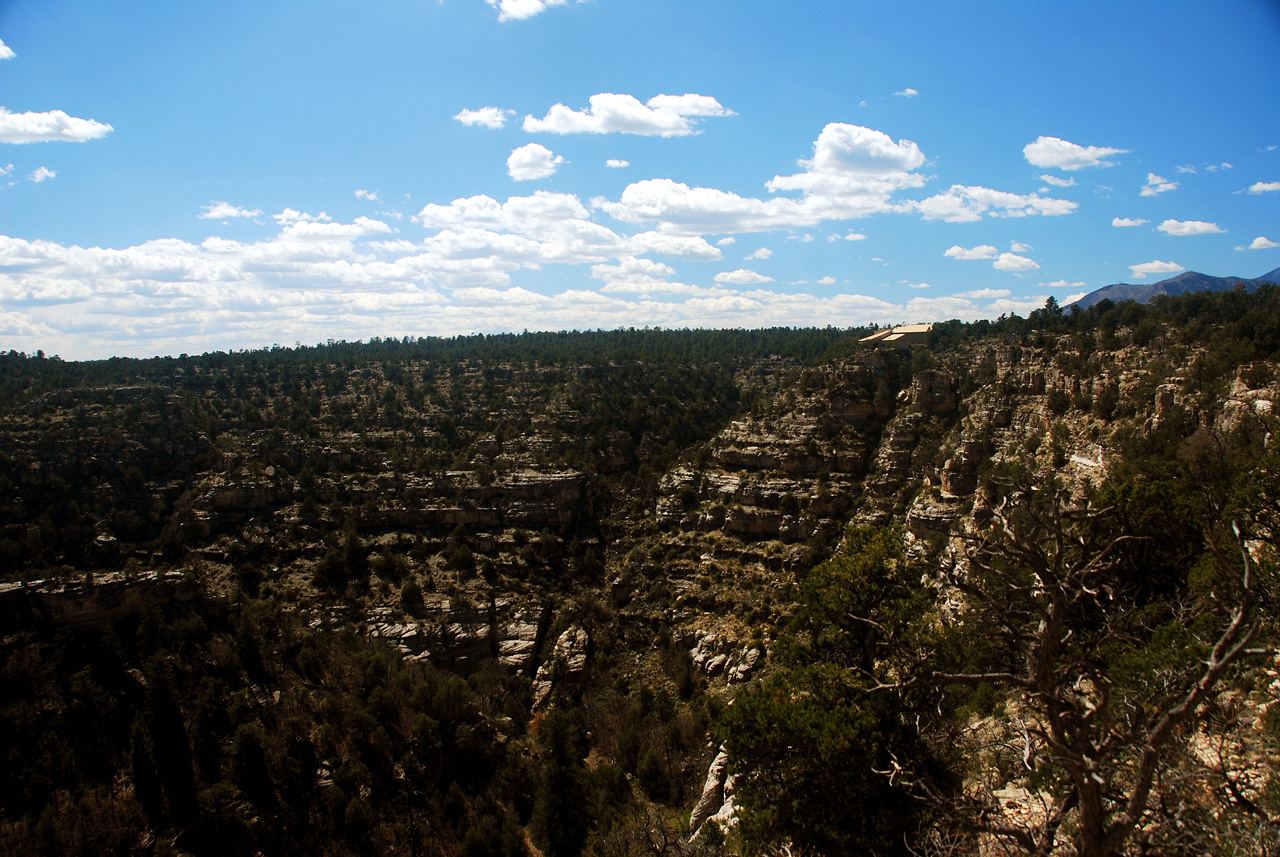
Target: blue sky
<point>184,177</point>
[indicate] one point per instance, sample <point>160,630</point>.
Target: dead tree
<point>1040,583</point>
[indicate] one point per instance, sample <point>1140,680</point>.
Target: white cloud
<point>982,251</point>
<point>616,163</point>
<point>1157,185</point>
<point>1157,267</point>
<point>292,215</point>
<point>1012,262</point>
<point>726,241</point>
<point>370,195</point>
<point>642,276</point>
<point>42,173</point>
<point>853,158</point>
<point>853,173</point>
<point>918,285</point>
<point>6,52</point>
<point>545,228</point>
<point>1189,227</point>
<point>1213,168</point>
<point>1057,182</point>
<point>907,93</point>
<point>1259,243</point>
<point>1185,169</point>
<point>1019,247</point>
<point>762,253</point>
<point>1264,187</point>
<point>852,236</point>
<point>1127,221</point>
<point>742,277</point>
<point>519,10</point>
<point>533,161</point>
<point>984,294</point>
<point>611,113</point>
<point>48,127</point>
<point>169,296</point>
<point>1060,154</point>
<point>630,266</point>
<point>225,211</point>
<point>804,238</point>
<point>485,117</point>
<point>1072,298</point>
<point>827,281</point>
<point>4,171</point>
<point>961,204</point>
<point>1058,285</point>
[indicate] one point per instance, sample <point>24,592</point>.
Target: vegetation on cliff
<point>489,594</point>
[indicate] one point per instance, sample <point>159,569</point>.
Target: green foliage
<point>559,824</point>
<point>814,751</point>
<point>814,745</point>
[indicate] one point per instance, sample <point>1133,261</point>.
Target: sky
<point>200,176</point>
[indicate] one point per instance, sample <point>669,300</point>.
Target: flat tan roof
<point>892,334</point>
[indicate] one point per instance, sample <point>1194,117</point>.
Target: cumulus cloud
<point>1120,222</point>
<point>984,294</point>
<point>1013,262</point>
<point>533,161</point>
<point>853,173</point>
<point>612,113</point>
<point>1259,243</point>
<point>519,10</point>
<point>317,280</point>
<point>1156,267</point>
<point>1264,187</point>
<point>6,52</point>
<point>742,277</point>
<point>1157,185</point>
<point>982,251</point>
<point>852,236</point>
<point>1019,247</point>
<point>642,276</point>
<point>292,215</point>
<point>962,204</point>
<point>218,210</point>
<point>726,241</point>
<point>1058,285</point>
<point>616,163</point>
<point>52,126</point>
<point>1057,182</point>
<point>762,253</point>
<point>907,93</point>
<point>854,158</point>
<point>370,195</point>
<point>1189,227</point>
<point>42,173</point>
<point>545,228</point>
<point>827,281</point>
<point>1056,153</point>
<point>485,117</point>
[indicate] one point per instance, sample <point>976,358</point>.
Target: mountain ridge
<point>1180,284</point>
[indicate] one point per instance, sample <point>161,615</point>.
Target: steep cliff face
<point>629,534</point>
<point>494,482</point>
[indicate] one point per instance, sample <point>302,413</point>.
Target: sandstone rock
<point>568,659</point>
<point>712,798</point>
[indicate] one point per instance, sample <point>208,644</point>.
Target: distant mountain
<point>1188,281</point>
